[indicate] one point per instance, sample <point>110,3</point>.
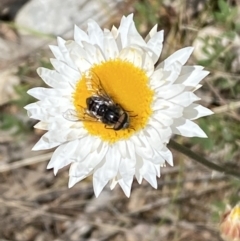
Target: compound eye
<point>89,101</point>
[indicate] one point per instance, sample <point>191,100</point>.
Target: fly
<point>100,107</point>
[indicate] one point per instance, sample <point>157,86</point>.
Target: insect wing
<point>71,115</point>
<point>81,114</point>
<point>94,85</point>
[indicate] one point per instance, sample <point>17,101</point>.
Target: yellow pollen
<point>127,85</point>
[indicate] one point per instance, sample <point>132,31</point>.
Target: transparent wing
<point>82,114</point>
<point>94,85</point>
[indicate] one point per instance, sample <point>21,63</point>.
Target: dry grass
<point>35,205</point>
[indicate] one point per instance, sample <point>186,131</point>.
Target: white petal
<point>100,152</point>
<point>113,183</point>
<point>169,109</point>
<point>167,92</point>
<point>73,180</point>
<point>181,56</point>
<point>53,78</point>
<point>45,143</point>
<point>184,99</point>
<point>139,164</point>
<point>121,145</point>
<point>126,171</point>
<point>95,34</point>
<point>41,125</point>
<point>165,120</point>
<point>133,37</point>
<point>157,168</point>
<point>79,57</point>
<point>48,109</point>
<point>85,147</point>
<point>80,35</point>
<point>34,112</point>
<point>41,93</point>
<point>152,32</point>
<point>106,171</point>
<point>144,150</point>
<point>95,55</point>
<point>126,185</point>
<point>80,169</point>
<point>153,138</point>
<point>196,88</point>
<point>139,58</point>
<point>192,78</point>
<point>195,111</point>
<point>172,72</point>
<point>148,64</point>
<point>155,45</point>
<point>128,33</point>
<point>131,150</point>
<point>133,55</point>
<point>110,46</point>
<point>187,128</point>
<point>65,54</point>
<point>55,137</point>
<point>62,156</point>
<point>148,172</point>
<point>156,79</point>
<point>164,132</point>
<point>86,166</point>
<point>114,32</point>
<point>167,155</point>
<point>157,159</point>
<point>65,70</point>
<point>188,69</point>
<point>98,185</point>
<point>127,167</point>
<point>56,52</point>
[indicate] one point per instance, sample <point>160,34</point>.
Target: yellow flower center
<point>127,85</point>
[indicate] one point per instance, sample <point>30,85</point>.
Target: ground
<point>190,199</point>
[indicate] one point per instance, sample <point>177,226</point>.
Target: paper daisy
<point>123,133</point>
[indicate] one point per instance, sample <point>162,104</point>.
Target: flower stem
<point>186,151</point>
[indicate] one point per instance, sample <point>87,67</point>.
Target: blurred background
<point>190,199</point>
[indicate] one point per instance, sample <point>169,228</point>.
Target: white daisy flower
<point>156,101</point>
